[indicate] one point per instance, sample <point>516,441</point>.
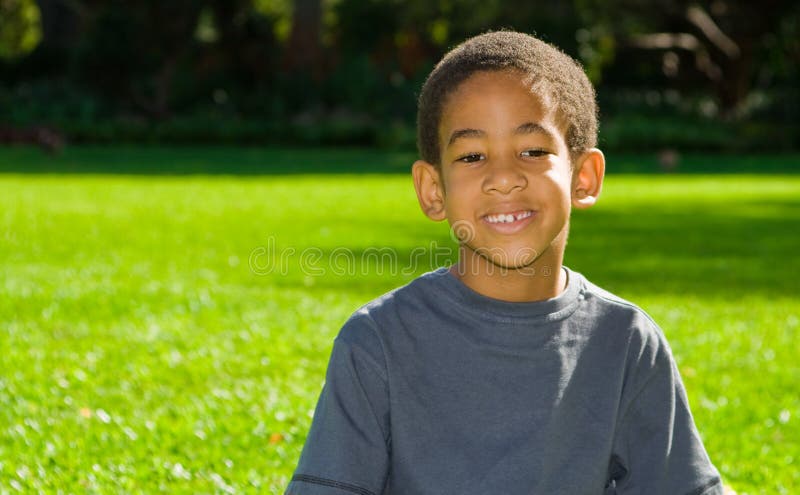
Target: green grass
<point>144,347</point>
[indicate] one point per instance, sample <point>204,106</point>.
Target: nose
<point>504,177</point>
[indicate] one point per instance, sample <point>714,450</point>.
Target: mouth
<point>510,222</point>
<point>508,218</point>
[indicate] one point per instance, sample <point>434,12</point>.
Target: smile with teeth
<point>508,217</point>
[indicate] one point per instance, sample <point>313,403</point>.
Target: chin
<point>519,265</point>
<point>510,256</point>
<point>519,259</point>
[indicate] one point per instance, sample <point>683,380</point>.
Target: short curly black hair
<point>554,75</point>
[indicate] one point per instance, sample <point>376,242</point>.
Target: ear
<point>587,178</point>
<point>430,190</point>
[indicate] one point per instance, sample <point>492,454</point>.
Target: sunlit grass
<point>139,351</point>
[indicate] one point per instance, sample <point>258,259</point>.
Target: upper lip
<point>506,209</point>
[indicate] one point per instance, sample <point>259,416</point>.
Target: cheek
<point>460,189</point>
<point>557,183</point>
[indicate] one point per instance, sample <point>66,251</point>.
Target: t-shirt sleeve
<point>657,448</point>
<point>347,448</point>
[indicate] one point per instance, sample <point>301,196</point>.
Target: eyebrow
<point>526,128</point>
<point>532,128</point>
<point>465,133</point>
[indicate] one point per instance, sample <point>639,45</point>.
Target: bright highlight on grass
<point>139,352</point>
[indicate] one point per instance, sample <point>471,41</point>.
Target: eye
<point>535,153</point>
<point>470,158</point>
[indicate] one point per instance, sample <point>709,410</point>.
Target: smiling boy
<point>506,373</point>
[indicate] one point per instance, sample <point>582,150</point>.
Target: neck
<point>543,279</point>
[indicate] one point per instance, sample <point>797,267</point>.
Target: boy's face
<point>505,183</point>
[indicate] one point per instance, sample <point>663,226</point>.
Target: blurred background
<point>167,167</point>
<point>717,75</point>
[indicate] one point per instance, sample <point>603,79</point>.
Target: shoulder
<point>605,305</point>
<point>369,327</point>
<point>419,295</point>
<point>608,304</point>
<point>646,346</point>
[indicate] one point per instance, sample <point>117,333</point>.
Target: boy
<point>506,373</point>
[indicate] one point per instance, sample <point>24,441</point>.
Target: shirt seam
<point>556,316</point>
<point>316,480</point>
<point>620,302</point>
<point>659,332</point>
<point>632,405</point>
<point>630,409</point>
<point>373,326</point>
<point>383,374</point>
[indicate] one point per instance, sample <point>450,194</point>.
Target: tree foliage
<point>355,61</point>
<point>20,28</point>
<point>729,46</point>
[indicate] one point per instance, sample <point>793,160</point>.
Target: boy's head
<point>507,128</point>
<point>555,77</point>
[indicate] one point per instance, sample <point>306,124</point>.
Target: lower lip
<point>510,227</point>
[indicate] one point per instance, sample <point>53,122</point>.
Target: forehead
<point>498,100</point>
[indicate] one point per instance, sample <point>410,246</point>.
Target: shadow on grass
<point>199,160</point>
<point>143,160</point>
<point>730,252</point>
<point>668,250</point>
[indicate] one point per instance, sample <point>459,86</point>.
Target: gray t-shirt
<point>434,389</point>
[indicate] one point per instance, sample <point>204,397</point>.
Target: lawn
<point>167,331</point>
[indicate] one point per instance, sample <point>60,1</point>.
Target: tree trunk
<point>304,50</point>
<point>735,86</point>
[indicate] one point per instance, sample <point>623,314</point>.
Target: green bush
<point>356,106</point>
